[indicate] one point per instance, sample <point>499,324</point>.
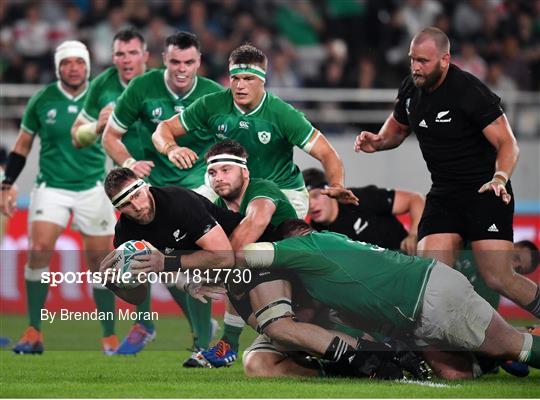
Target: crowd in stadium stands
<point>311,43</point>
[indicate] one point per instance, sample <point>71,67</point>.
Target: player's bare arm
<point>391,135</point>
<point>85,132</point>
<point>333,168</point>
<point>16,161</point>
<point>500,135</point>
<point>413,204</point>
<point>164,139</point>
<point>258,216</point>
<point>112,143</point>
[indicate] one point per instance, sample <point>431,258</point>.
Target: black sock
<point>338,350</point>
<point>534,306</point>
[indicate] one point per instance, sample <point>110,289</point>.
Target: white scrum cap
<point>71,48</point>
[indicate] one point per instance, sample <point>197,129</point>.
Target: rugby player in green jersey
<point>403,294</point>
<point>69,181</point>
<point>265,125</point>
<point>129,57</point>
<point>263,204</point>
<point>151,98</point>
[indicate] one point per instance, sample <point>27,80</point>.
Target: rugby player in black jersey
<point>471,152</point>
<point>191,233</point>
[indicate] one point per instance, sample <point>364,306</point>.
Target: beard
<point>73,85</point>
<point>429,80</point>
<point>232,194</point>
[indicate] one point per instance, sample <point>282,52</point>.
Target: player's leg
<point>454,316</point>
<point>263,359</point>
<point>97,247</point>
<point>299,199</point>
<point>440,229</point>
<point>494,264</point>
<point>94,217</point>
<point>48,215</point>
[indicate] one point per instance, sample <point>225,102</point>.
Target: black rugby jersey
<point>371,220</point>
<point>448,123</point>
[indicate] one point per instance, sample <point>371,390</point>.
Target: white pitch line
<point>428,384</point>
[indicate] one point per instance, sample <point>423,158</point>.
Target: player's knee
<point>259,364</point>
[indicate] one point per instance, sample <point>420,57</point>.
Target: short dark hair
<point>535,256</point>
<point>125,35</point>
<point>116,178</point>
<point>226,147</point>
<point>314,178</point>
<point>294,227</point>
<point>183,40</point>
<point>248,54</point>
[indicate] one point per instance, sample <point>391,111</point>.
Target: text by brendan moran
<point>121,315</point>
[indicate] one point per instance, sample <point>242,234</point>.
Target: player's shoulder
<point>149,79</point>
<point>108,74</point>
<point>462,80</point>
<point>47,91</point>
<point>261,186</point>
<point>407,85</point>
<point>280,109</point>
<point>208,85</point>
<point>216,100</point>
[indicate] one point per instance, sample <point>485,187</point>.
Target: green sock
<point>201,314</point>
<point>180,298</point>
<point>36,294</point>
<point>232,328</point>
<point>534,354</point>
<point>104,300</point>
<point>145,307</point>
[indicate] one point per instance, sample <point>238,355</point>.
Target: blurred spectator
<point>67,27</point>
<point>417,14</point>
<point>468,17</point>
<point>281,73</point>
<point>366,74</point>
<point>102,38</point>
<point>497,80</point>
<point>155,34</point>
<point>469,60</point>
<point>513,63</point>
<point>137,13</point>
<point>99,9</point>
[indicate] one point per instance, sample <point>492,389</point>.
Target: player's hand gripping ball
<point>124,259</point>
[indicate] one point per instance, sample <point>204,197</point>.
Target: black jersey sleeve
<point>400,105</point>
<point>379,201</point>
<point>195,218</point>
<point>480,104</point>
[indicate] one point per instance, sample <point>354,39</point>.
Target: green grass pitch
<point>157,372</point>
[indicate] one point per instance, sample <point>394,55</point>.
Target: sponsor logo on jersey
<point>168,250</point>
<point>407,104</point>
<point>359,227</point>
<point>73,109</point>
<point>104,224</point>
<point>179,109</point>
<point>264,137</point>
<point>51,116</point>
<point>423,124</point>
<point>442,114</point>
<point>222,128</point>
<point>243,125</point>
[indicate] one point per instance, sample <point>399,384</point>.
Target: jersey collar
<point>172,93</point>
<point>70,97</point>
<point>242,112</point>
<point>122,83</point>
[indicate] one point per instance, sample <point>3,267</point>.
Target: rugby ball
<point>86,134</point>
<point>123,260</point>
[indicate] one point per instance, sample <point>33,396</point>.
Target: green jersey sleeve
<point>299,131</point>
<point>91,107</point>
<point>30,120</point>
<point>196,116</point>
<point>127,107</point>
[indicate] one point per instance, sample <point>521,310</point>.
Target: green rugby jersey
<point>262,188</point>
<point>50,113</point>
<point>269,133</point>
<point>104,90</point>
<point>466,264</point>
<point>149,99</point>
<point>384,288</point>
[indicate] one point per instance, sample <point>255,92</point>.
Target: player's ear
<point>245,173</point>
<point>445,60</point>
